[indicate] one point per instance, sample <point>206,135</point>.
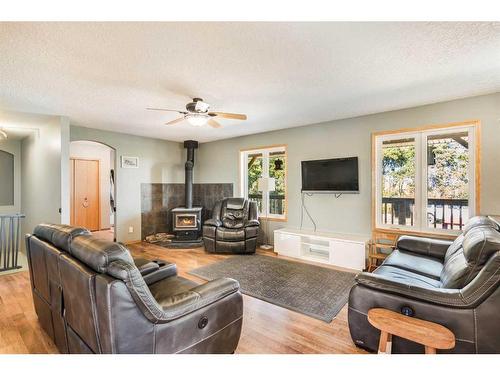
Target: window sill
<point>282,219</point>
<point>419,233</point>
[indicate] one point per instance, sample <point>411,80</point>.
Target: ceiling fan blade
<point>173,122</point>
<point>234,116</point>
<point>213,123</point>
<point>167,110</point>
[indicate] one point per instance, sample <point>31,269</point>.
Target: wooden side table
<point>380,241</point>
<point>432,335</point>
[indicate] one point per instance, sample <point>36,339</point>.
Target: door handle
<point>85,203</point>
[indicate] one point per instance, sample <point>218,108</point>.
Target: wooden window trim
<point>477,172</point>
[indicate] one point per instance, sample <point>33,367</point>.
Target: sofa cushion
<point>424,246</point>
<point>455,271</point>
<point>480,221</point>
<point>474,222</point>
<point>228,234</point>
<point>421,264</point>
<point>405,277</point>
<point>235,203</point>
<point>454,248</point>
<point>234,212</point>
<point>170,286</point>
<point>478,245</point>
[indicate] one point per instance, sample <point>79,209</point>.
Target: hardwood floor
<point>19,328</point>
<point>267,328</point>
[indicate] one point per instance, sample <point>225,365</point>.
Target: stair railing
<point>10,237</point>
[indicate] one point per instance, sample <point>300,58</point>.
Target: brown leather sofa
<point>455,284</point>
<point>233,228</point>
<point>92,297</point>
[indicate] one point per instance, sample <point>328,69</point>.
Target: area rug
<point>315,291</point>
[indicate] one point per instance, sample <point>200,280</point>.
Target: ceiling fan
<point>197,114</point>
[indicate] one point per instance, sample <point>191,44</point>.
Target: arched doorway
<point>93,188</point>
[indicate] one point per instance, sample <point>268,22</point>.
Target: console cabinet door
<point>287,244</point>
<point>348,254</point>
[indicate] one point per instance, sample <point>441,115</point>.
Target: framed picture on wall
<point>129,162</point>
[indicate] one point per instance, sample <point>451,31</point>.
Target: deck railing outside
<point>441,213</point>
<point>10,237</point>
<point>276,202</point>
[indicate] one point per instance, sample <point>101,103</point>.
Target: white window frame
<point>265,151</point>
<point>420,207</point>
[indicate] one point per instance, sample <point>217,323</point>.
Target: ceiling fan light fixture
<point>201,106</point>
<point>196,119</point>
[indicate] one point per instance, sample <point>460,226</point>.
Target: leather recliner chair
<point>233,228</point>
<point>92,297</point>
<point>455,284</point>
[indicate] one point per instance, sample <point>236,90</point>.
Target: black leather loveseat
<point>233,228</point>
<point>92,297</point>
<point>455,284</point>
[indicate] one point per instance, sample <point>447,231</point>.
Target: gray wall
<point>41,173</point>
<point>9,185</point>
<point>159,161</point>
<point>218,161</point>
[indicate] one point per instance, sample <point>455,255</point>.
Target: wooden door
<point>85,199</point>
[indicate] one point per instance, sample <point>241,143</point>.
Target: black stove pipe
<point>188,185</point>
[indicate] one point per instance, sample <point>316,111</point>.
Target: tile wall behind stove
<point>157,200</point>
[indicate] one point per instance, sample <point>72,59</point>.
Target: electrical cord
<point>304,208</point>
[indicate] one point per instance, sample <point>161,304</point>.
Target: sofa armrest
<point>200,296</point>
<point>213,222</point>
<point>440,296</point>
<point>146,266</point>
<point>155,270</point>
<point>252,223</point>
<point>166,270</point>
<point>424,246</point>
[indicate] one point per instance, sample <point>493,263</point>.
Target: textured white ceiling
<point>103,75</point>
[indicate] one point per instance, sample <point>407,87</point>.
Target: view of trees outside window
<point>254,165</point>
<point>398,181</point>
<point>447,185</point>
<point>277,163</point>
<point>447,180</point>
<point>255,170</point>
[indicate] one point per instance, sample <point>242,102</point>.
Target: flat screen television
<point>331,175</point>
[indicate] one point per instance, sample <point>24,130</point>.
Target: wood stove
<point>186,221</point>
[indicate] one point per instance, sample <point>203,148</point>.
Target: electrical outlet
<point>131,229</point>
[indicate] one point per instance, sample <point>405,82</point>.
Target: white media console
<point>338,249</point>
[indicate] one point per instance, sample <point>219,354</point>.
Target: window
<point>425,180</point>
<point>263,180</point>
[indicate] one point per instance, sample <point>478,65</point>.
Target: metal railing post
<point>10,235</point>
